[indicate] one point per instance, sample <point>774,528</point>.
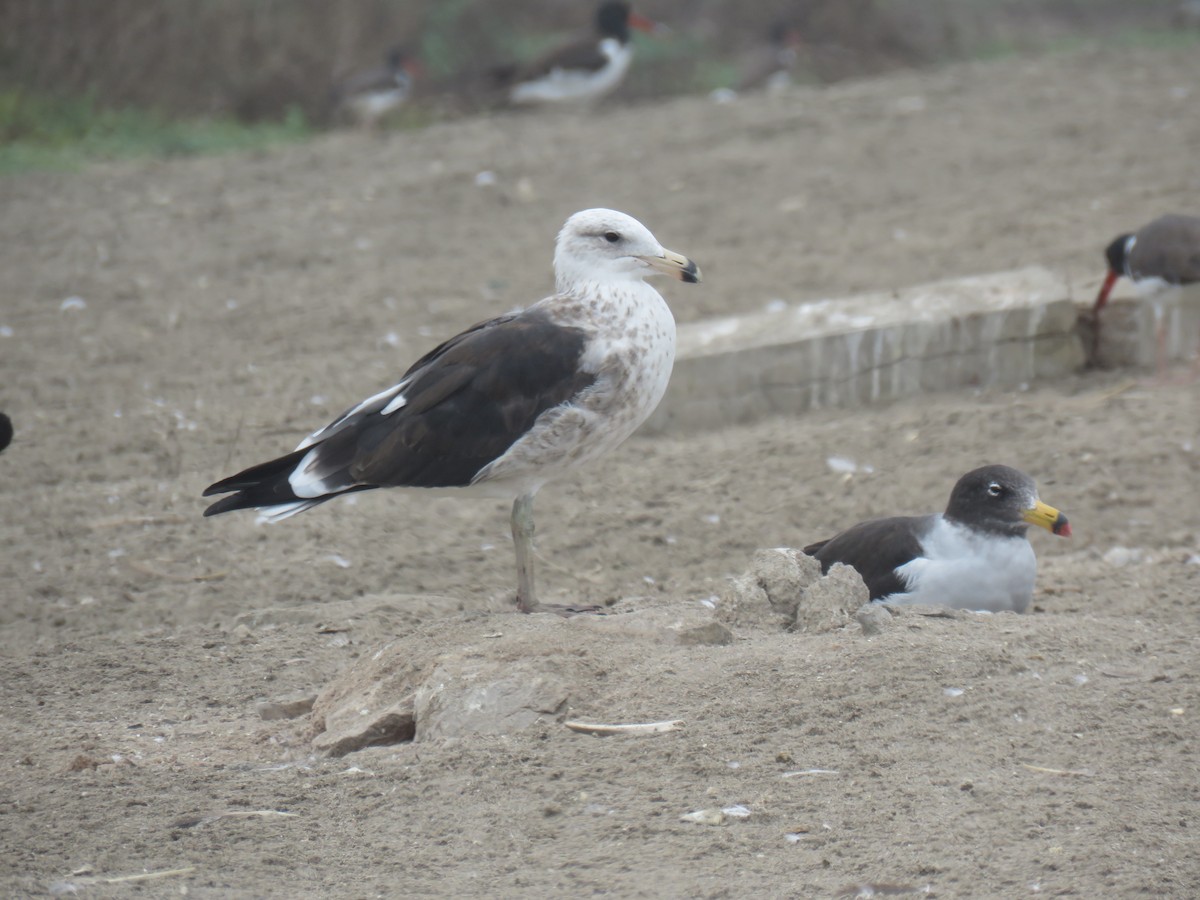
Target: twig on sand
<point>1081,773</point>
<point>600,730</point>
<point>140,876</point>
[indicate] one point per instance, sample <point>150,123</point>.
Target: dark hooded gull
<point>974,556</point>
<point>508,405</point>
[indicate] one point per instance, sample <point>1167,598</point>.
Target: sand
<point>225,307</point>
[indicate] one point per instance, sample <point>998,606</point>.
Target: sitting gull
<point>509,404</point>
<point>975,555</point>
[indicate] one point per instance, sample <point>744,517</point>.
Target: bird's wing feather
<point>1168,248</point>
<point>582,55</point>
<point>466,402</point>
<point>875,549</point>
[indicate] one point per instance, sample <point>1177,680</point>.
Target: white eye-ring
<point>995,490</point>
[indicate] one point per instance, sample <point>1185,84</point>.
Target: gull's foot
<point>559,609</point>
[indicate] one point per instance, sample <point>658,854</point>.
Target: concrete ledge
<point>998,330</point>
<point>1145,328</point>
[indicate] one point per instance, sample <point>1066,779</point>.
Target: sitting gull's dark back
<point>508,405</point>
<point>975,555</point>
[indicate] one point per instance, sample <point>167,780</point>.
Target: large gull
<point>509,404</point>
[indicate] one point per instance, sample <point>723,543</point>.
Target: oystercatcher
<point>367,96</point>
<point>1163,252</point>
<point>583,71</point>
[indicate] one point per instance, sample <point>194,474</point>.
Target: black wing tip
<point>225,504</point>
<point>814,549</point>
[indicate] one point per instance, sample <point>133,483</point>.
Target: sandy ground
<point>231,305</point>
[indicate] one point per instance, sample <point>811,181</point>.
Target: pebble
<point>287,708</point>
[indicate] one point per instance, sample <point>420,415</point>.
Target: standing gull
<point>975,555</point>
<point>508,405</point>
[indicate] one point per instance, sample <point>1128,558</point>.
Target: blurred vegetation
<point>111,78</point>
<point>43,132</point>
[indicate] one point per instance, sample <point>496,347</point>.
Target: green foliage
<point>40,132</point>
<point>1150,38</point>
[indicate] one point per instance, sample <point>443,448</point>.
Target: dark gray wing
<point>471,399</point>
<point>458,408</point>
<point>583,56</point>
<point>1168,248</point>
<point>875,549</point>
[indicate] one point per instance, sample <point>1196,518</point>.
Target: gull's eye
<point>995,490</point>
<point>611,236</point>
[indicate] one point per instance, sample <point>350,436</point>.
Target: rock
<point>873,618</point>
<point>371,703</point>
<point>345,731</point>
<point>486,697</point>
<point>770,591</point>
<point>830,601</point>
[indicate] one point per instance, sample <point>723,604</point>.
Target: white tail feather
<point>284,510</point>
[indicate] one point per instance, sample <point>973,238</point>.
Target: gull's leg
<point>522,532</point>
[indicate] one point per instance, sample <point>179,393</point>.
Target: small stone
<point>711,634</point>
<point>873,618</point>
<point>288,708</point>
<point>1119,557</point>
<point>346,733</point>
<point>829,602</point>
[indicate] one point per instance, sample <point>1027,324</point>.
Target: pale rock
<point>769,593</point>
<point>873,618</point>
<point>830,602</point>
<point>485,697</point>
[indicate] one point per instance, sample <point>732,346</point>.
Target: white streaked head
<point>606,246</point>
